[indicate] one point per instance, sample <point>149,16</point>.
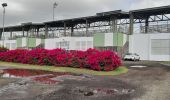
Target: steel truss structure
<point>112,21</point>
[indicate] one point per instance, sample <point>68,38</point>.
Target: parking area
<point>154,79</point>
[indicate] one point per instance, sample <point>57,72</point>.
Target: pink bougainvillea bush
<point>91,59</point>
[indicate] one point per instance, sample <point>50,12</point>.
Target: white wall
<point>24,42</point>
<point>160,57</point>
<point>75,43</point>
<point>50,43</point>
<point>125,37</point>
<point>108,39</point>
<point>10,44</point>
<point>141,44</point>
<point>38,42</point>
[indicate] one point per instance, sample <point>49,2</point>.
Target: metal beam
<point>27,33</point>
<point>46,31</point>
<point>146,24</point>
<point>131,24</point>
<point>87,27</point>
<point>37,31</point>
<point>72,30</point>
<point>23,31</point>
<point>11,34</point>
<point>65,28</point>
<point>114,24</point>
<point>0,35</point>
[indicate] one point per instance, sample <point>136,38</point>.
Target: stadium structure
<point>144,31</point>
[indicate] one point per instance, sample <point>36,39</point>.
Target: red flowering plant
<point>105,60</point>
<point>58,57</point>
<point>12,56</point>
<point>91,59</point>
<point>78,59</point>
<point>37,57</point>
<point>109,60</point>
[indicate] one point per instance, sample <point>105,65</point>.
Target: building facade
<point>113,30</point>
<point>151,46</point>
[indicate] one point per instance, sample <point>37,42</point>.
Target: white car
<point>132,56</point>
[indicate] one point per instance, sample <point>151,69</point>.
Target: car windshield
<point>132,54</point>
<point>129,54</point>
<point>136,54</point>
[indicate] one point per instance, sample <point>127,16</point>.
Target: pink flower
<point>92,58</point>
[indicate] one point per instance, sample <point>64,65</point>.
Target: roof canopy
<point>103,16</point>
<point>151,11</point>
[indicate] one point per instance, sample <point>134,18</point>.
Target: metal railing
<point>164,28</point>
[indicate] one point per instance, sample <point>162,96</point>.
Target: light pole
<point>54,6</point>
<point>4,5</point>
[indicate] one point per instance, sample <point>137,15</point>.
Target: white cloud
<point>141,4</point>
<point>19,11</point>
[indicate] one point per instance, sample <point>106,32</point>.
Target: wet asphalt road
<point>150,83</point>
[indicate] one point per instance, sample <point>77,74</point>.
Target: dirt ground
<point>149,83</point>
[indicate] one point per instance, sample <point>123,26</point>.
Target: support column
<point>53,32</point>
<point>10,34</point>
<point>72,30</point>
<point>131,24</point>
<point>34,31</point>
<point>31,31</point>
<point>87,27</point>
<point>28,31</point>
<point>114,24</point>
<point>65,29</point>
<point>146,24</point>
<point>38,32</point>
<point>0,34</point>
<point>46,31</point>
<point>23,31</point>
<point>27,34</point>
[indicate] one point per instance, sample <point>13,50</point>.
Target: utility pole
<point>54,6</point>
<point>4,5</point>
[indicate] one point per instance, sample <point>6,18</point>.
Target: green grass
<point>165,62</point>
<point>118,71</point>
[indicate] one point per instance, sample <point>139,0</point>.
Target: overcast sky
<point>20,11</point>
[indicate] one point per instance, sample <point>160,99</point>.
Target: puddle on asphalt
<point>100,91</point>
<point>138,66</point>
<point>45,77</point>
